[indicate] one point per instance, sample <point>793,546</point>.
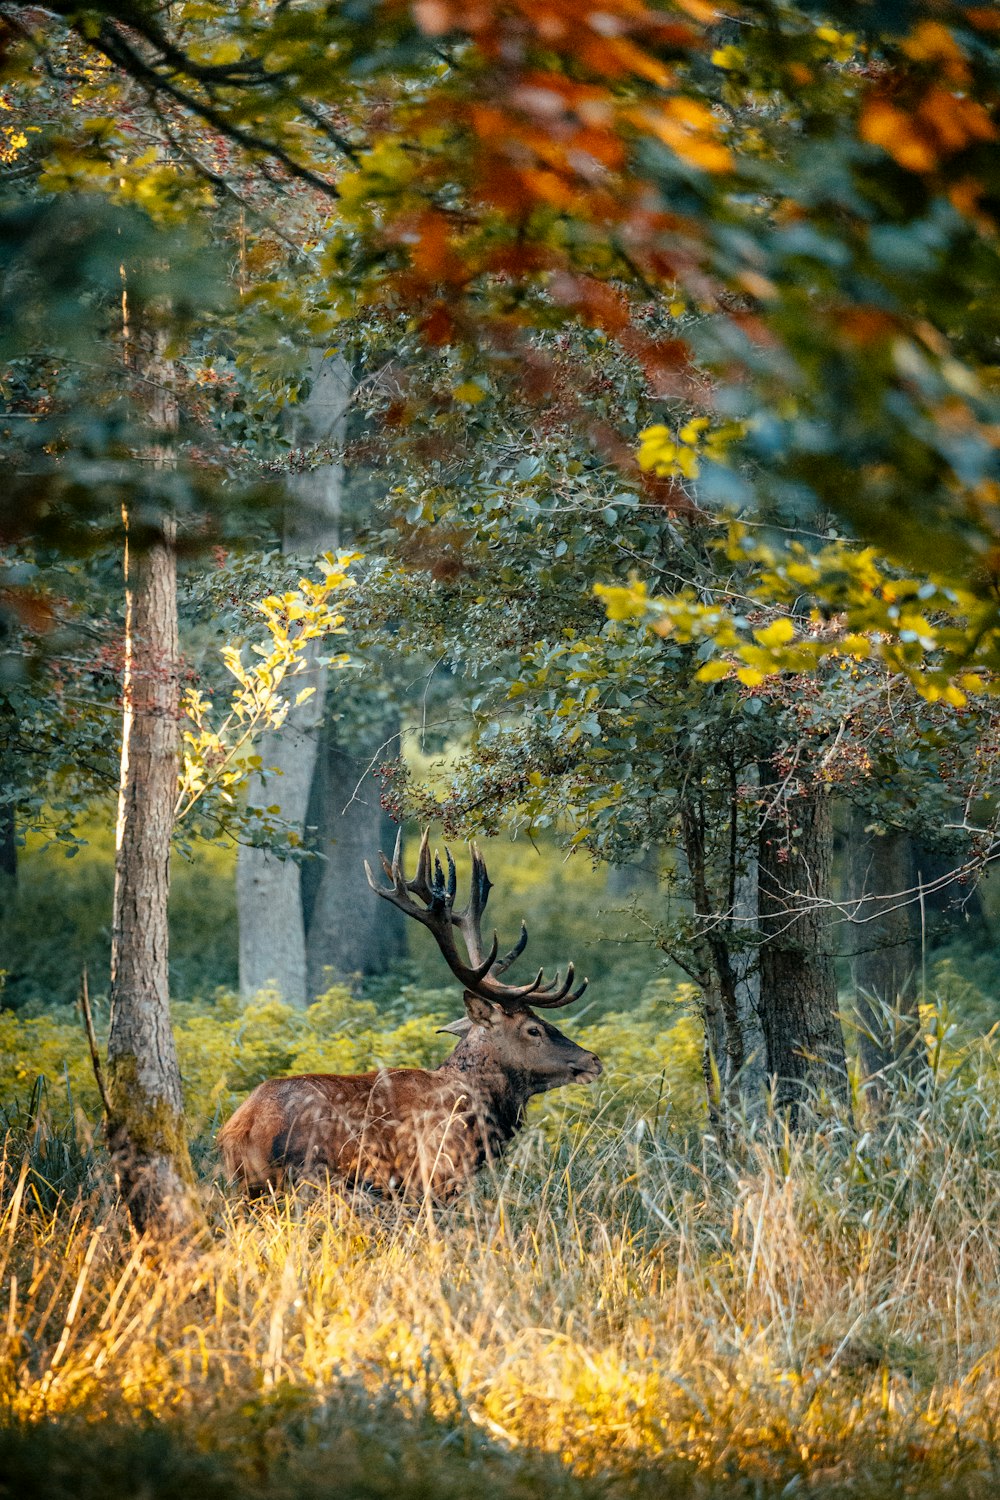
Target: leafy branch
<point>218,758</point>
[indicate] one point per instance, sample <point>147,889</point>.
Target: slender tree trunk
<point>886,949</point>
<point>746,971</point>
<point>734,1044</point>
<point>269,889</point>
<point>348,930</point>
<point>8,815</point>
<point>8,842</point>
<point>798,989</point>
<point>146,1126</point>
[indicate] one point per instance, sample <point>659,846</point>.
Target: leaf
<point>469,392</point>
<point>779,633</point>
<point>713,671</point>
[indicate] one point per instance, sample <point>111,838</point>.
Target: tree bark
<point>886,949</point>
<point>272,938</point>
<point>146,1124</point>
<point>8,842</point>
<point>272,947</point>
<point>349,931</point>
<point>746,977</point>
<point>733,1060</point>
<point>798,989</point>
<point>8,813</point>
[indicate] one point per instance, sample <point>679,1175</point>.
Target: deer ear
<point>479,1011</point>
<point>461,1027</point>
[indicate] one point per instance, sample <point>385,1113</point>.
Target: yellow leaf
<point>469,392</point>
<point>713,671</point>
<point>687,462</point>
<point>226,52</point>
<point>727,57</point>
<point>623,603</point>
<point>690,432</point>
<point>750,676</point>
<point>777,634</point>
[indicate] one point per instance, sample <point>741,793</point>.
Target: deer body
<point>400,1132</point>
<point>416,1132</point>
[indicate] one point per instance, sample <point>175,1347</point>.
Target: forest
<point>528,465</point>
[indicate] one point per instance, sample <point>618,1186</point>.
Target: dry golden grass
<point>621,1313</point>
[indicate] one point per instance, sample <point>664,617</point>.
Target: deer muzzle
<point>588,1069</point>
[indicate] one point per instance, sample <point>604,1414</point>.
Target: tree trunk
<point>733,1061</point>
<point>886,949</point>
<point>8,842</point>
<point>746,978</point>
<point>8,814</point>
<point>269,889</point>
<point>146,1124</point>
<point>798,989</point>
<point>348,930</point>
<point>953,909</point>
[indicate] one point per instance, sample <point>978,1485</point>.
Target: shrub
<point>225,1050</point>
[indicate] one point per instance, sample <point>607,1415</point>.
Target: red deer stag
<point>414,1132</point>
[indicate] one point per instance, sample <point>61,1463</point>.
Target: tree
<point>146,1121</point>
<point>657,137</point>
<point>299,920</point>
<point>346,934</point>
<point>798,986</point>
<point>883,880</point>
<point>272,928</point>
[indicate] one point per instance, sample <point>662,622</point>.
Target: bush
<point>58,919</point>
<point>225,1050</point>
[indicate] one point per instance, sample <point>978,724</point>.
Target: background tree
<point>272,925</point>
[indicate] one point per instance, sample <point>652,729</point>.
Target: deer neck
<point>499,1092</point>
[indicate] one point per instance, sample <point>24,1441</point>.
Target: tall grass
<point>619,1311</point>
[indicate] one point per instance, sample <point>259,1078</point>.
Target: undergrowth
<point>226,1048</point>
<point>620,1311</point>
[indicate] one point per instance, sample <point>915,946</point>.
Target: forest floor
<point>623,1311</point>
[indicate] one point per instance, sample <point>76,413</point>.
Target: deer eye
<point>532,1031</point>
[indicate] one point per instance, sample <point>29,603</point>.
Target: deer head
<point>500,1029</point>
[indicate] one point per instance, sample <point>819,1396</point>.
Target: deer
<point>420,1133</point>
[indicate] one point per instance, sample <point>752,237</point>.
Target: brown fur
<point>409,1132</point>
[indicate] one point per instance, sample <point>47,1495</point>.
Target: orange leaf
<point>955,120</point>
<point>882,124</point>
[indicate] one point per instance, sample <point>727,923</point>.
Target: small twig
<point>95,1056</point>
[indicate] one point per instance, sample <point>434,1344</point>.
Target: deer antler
<point>436,891</point>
